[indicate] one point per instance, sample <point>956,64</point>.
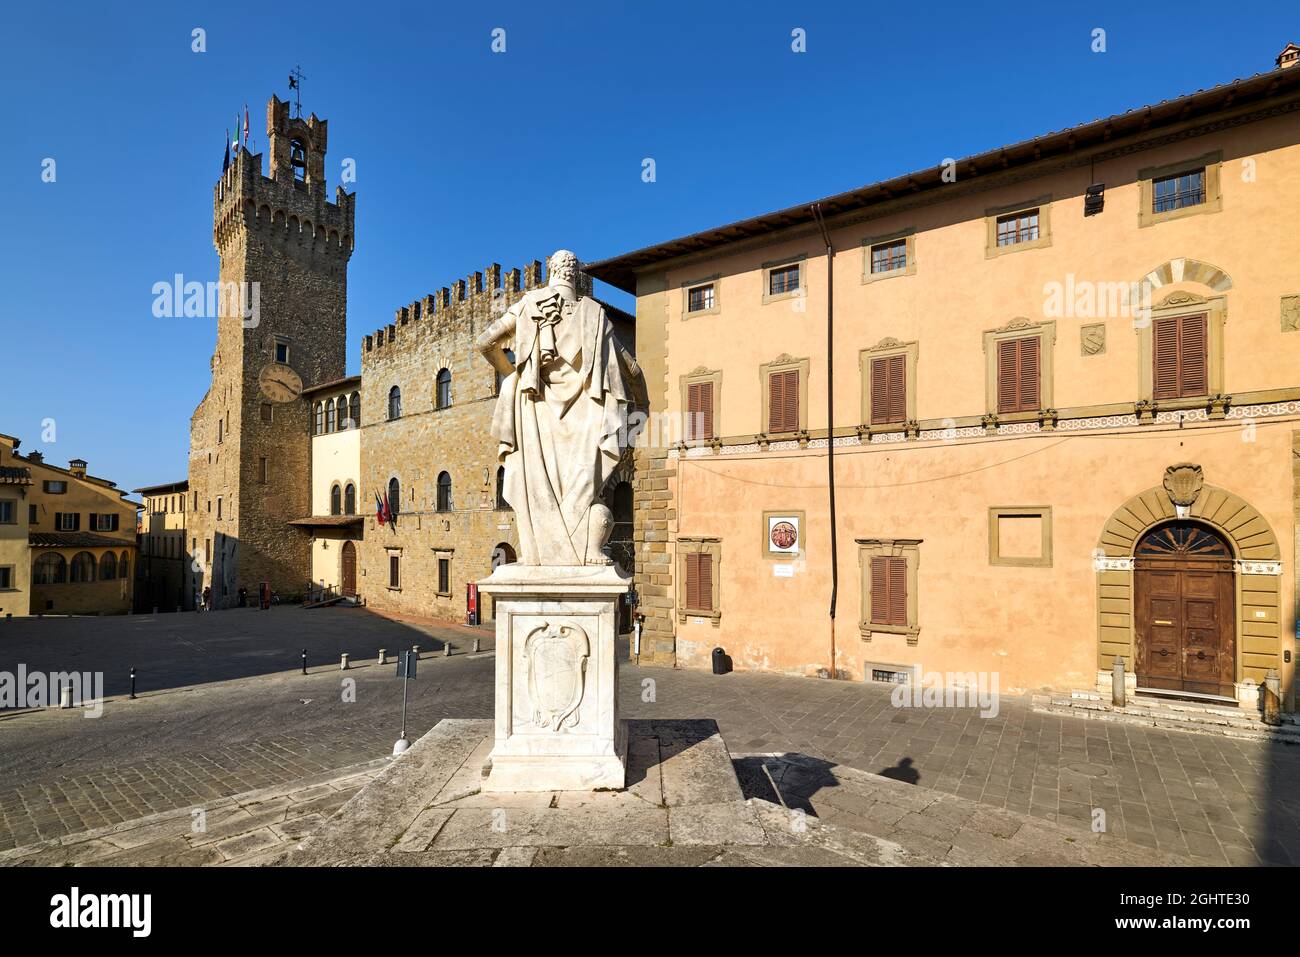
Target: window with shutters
<point>1019,374</point>
<point>1180,359</point>
<point>889,586</point>
<point>888,390</point>
<point>67,521</point>
<point>784,384</point>
<point>394,570</point>
<point>8,511</point>
<point>699,412</point>
<point>698,561</point>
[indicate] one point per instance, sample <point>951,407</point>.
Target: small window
<point>8,511</point>
<point>699,411</point>
<point>350,499</point>
<point>263,470</point>
<point>394,403</point>
<point>1019,374</point>
<point>103,523</point>
<point>700,298</point>
<point>444,389</point>
<point>1178,191</point>
<point>888,257</point>
<point>336,500</point>
<point>354,410</point>
<point>502,504</point>
<point>444,576</point>
<point>394,571</point>
<point>783,279</point>
<point>320,418</point>
<point>267,414</point>
<point>67,521</point>
<point>783,401</point>
<point>218,506</point>
<point>394,496</point>
<point>444,492</point>
<point>888,590</point>
<point>281,352</point>
<point>55,487</point>
<point>6,577</point>
<point>329,416</point>
<point>220,431</point>
<point>1021,227</point>
<point>1179,354</point>
<point>888,390</point>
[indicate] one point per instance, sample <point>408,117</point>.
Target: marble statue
<point>561,417</point>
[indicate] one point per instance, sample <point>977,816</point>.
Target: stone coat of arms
<point>1183,482</point>
<point>555,656</point>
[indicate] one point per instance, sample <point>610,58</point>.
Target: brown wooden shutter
<point>898,591</point>
<point>879,391</point>
<point>888,390</point>
<point>783,401</point>
<point>1164,357</point>
<point>1192,364</point>
<point>699,402</point>
<point>879,591</point>
<point>897,388</point>
<point>699,581</point>
<point>1008,380</point>
<point>888,590</point>
<point>1028,374</point>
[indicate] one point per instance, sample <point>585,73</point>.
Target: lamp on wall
<point>1094,199</point>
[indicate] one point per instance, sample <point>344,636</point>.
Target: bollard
<point>476,646</point>
<point>1117,683</point>
<point>1272,690</point>
<point>304,661</point>
<point>343,661</point>
<point>383,656</point>
<point>132,684</point>
<point>446,649</point>
<point>65,696</point>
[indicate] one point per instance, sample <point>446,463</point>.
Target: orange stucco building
<point>1065,410</point>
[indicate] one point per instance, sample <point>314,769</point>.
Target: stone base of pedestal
<point>557,726</point>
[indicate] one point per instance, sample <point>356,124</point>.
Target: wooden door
<point>1184,612</point>
<point>349,575</point>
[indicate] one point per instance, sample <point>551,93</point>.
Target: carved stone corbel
<point>912,429</point>
<point>1145,410</point>
<point>1218,406</point>
<point>990,422</point>
<point>1047,419</point>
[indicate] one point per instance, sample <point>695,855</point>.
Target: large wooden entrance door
<point>1185,611</point>
<point>349,575</point>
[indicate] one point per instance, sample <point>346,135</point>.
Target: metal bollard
<point>132,684</point>
<point>304,661</point>
<point>65,696</point>
<point>446,649</point>
<point>1117,683</point>
<point>476,646</point>
<point>383,656</point>
<point>343,661</point>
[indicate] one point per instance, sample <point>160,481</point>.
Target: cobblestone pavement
<point>1215,799</point>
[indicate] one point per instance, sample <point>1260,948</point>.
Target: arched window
<point>124,566</point>
<point>336,507</point>
<point>444,492</point>
<point>394,403</point>
<point>298,160</point>
<point>501,489</point>
<point>345,421</point>
<point>354,411</point>
<point>320,418</point>
<point>394,495</point>
<point>500,378</point>
<point>443,397</point>
<point>108,566</point>
<point>329,415</point>
<point>83,568</point>
<point>350,499</point>
<point>50,569</point>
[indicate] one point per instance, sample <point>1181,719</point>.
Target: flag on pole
<point>379,510</point>
<point>388,515</point>
<point>245,125</point>
<point>235,141</point>
<point>225,163</point>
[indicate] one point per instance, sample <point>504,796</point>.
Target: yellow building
<point>78,550</point>
<point>1064,382</point>
<point>336,525</point>
<point>164,573</point>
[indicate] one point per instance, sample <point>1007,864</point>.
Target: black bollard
<point>132,684</point>
<point>304,661</point>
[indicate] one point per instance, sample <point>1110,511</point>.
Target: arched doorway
<point>503,553</point>
<point>1184,610</point>
<point>348,574</point>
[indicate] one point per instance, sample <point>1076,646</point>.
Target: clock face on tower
<point>279,382</point>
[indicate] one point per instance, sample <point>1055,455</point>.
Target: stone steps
<point>1170,714</point>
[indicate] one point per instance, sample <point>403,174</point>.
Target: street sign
<point>406,664</point>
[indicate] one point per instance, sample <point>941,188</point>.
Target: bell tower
<point>284,248</point>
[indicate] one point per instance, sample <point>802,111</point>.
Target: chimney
<point>77,467</point>
<point>36,457</point>
<point>1289,56</point>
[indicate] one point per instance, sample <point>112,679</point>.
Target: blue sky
<point>466,157</point>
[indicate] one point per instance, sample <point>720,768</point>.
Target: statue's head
<point>562,267</point>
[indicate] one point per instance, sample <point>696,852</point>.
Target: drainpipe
<point>830,416</point>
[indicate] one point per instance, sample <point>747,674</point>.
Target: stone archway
<point>1257,561</point>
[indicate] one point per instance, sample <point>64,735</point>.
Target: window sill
<point>868,628</point>
<point>908,270</point>
<point>993,252</point>
<point>686,613</point>
<point>1148,218</point>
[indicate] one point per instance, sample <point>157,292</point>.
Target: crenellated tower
<point>284,247</point>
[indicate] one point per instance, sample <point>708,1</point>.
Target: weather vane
<point>295,83</point>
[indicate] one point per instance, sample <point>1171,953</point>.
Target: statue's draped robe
<point>557,425</point>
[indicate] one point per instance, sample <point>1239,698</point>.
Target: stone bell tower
<point>284,246</point>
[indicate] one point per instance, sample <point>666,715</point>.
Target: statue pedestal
<point>557,725</point>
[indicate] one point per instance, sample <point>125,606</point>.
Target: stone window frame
<point>885,349</point>
<point>1043,513</point>
<point>801,260</point>
<point>693,544</point>
<point>13,511</point>
<point>782,363</point>
<point>698,375</point>
<point>1021,328</point>
<point>13,577</point>
<point>991,215</point>
<point>1212,163</point>
<point>716,282</point>
<point>908,548</point>
<point>1173,305</point>
<point>391,552</point>
<point>869,242</point>
<point>442,555</point>
<point>278,341</point>
<point>775,556</point>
